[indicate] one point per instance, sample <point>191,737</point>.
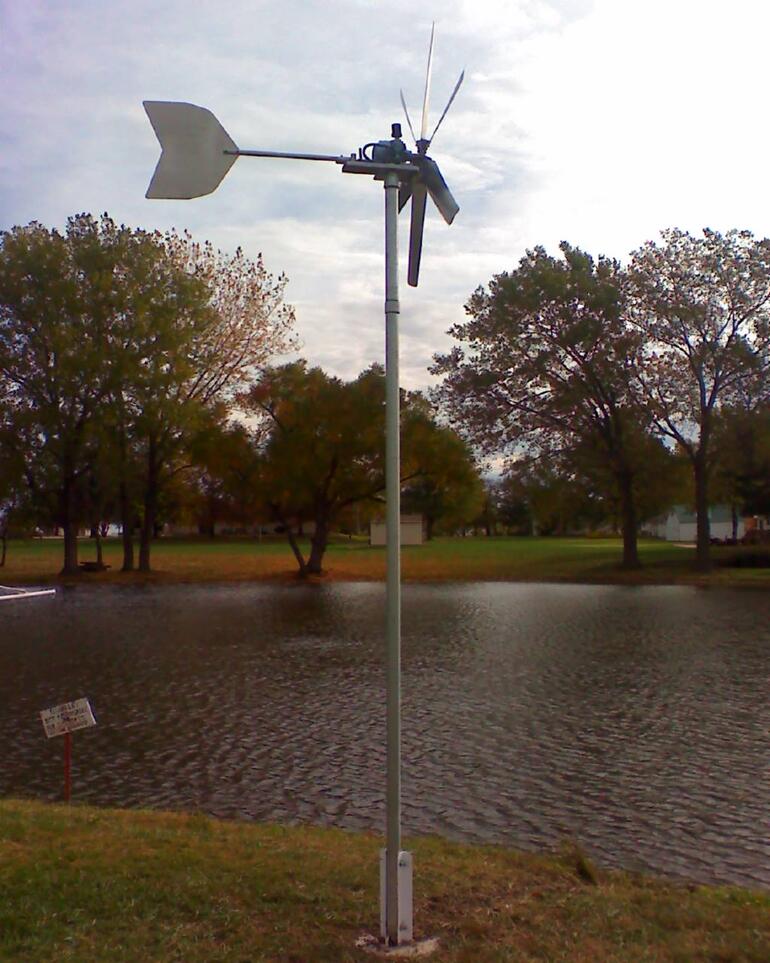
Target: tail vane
<point>193,145</point>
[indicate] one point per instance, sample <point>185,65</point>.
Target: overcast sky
<point>599,122</point>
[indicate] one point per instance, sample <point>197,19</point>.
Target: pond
<point>633,719</point>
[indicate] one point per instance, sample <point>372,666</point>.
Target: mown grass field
<point>92,885</point>
<point>494,559</point>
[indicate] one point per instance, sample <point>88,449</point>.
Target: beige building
<point>412,531</point>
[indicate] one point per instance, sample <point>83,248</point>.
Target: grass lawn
<point>494,559</point>
<point>102,885</point>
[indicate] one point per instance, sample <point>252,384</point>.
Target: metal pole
<point>393,537</point>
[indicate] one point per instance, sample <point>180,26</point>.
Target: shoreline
<point>120,885</point>
<point>551,559</point>
<point>712,580</point>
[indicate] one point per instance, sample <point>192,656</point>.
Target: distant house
<point>412,531</point>
<point>680,524</point>
<point>254,530</point>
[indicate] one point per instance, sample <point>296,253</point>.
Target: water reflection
<point>635,719</point>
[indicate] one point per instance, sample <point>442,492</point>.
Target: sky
<point>599,122</point>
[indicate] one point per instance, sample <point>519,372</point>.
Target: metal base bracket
<point>370,944</point>
<point>404,896</point>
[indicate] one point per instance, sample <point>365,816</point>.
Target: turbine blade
<point>440,194</point>
<point>426,98</point>
<point>193,144</point>
<point>404,193</point>
<point>408,119</point>
<point>419,199</point>
<point>449,104</point>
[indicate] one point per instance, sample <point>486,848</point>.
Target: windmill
<point>196,154</point>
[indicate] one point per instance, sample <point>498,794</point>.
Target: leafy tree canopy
<point>545,364</point>
<point>701,306</point>
<point>324,447</point>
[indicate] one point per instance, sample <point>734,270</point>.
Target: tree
<point>658,478</point>
<point>11,479</point>
<point>547,362</point>
<point>95,324</point>
<point>115,347</point>
<point>512,504</point>
<point>208,359</point>
<point>324,448</point>
<point>701,306</point>
<point>488,516</point>
<point>446,487</point>
<point>56,316</point>
<point>225,477</point>
<point>545,496</point>
<point>742,457</point>
<point>251,321</point>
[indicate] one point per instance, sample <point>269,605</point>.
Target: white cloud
<point>597,122</point>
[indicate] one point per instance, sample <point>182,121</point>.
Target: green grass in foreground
<point>102,885</point>
<point>443,559</point>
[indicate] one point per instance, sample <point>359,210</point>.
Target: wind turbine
<point>196,154</point>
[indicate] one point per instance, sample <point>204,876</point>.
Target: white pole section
<point>19,593</point>
<point>393,591</point>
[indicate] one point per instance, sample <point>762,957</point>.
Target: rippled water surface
<point>633,719</point>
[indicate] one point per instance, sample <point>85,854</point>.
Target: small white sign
<point>67,717</point>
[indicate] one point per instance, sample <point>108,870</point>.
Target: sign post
<point>67,766</point>
<point>63,720</point>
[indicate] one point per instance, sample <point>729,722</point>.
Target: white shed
<point>680,525</point>
<point>412,531</point>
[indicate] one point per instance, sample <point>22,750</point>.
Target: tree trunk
<point>3,547</point>
<point>703,547</point>
<point>734,519</point>
<point>70,566</point>
<point>318,543</point>
<point>209,525</point>
<point>210,521</point>
<point>429,523</point>
<point>628,521</point>
<point>70,530</point>
<point>303,572</point>
<point>147,530</point>
<point>99,553</point>
<point>127,530</point>
<point>279,518</point>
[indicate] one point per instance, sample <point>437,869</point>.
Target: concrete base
<point>375,946</point>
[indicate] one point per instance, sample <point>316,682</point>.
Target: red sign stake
<point>63,720</point>
<point>67,766</point>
